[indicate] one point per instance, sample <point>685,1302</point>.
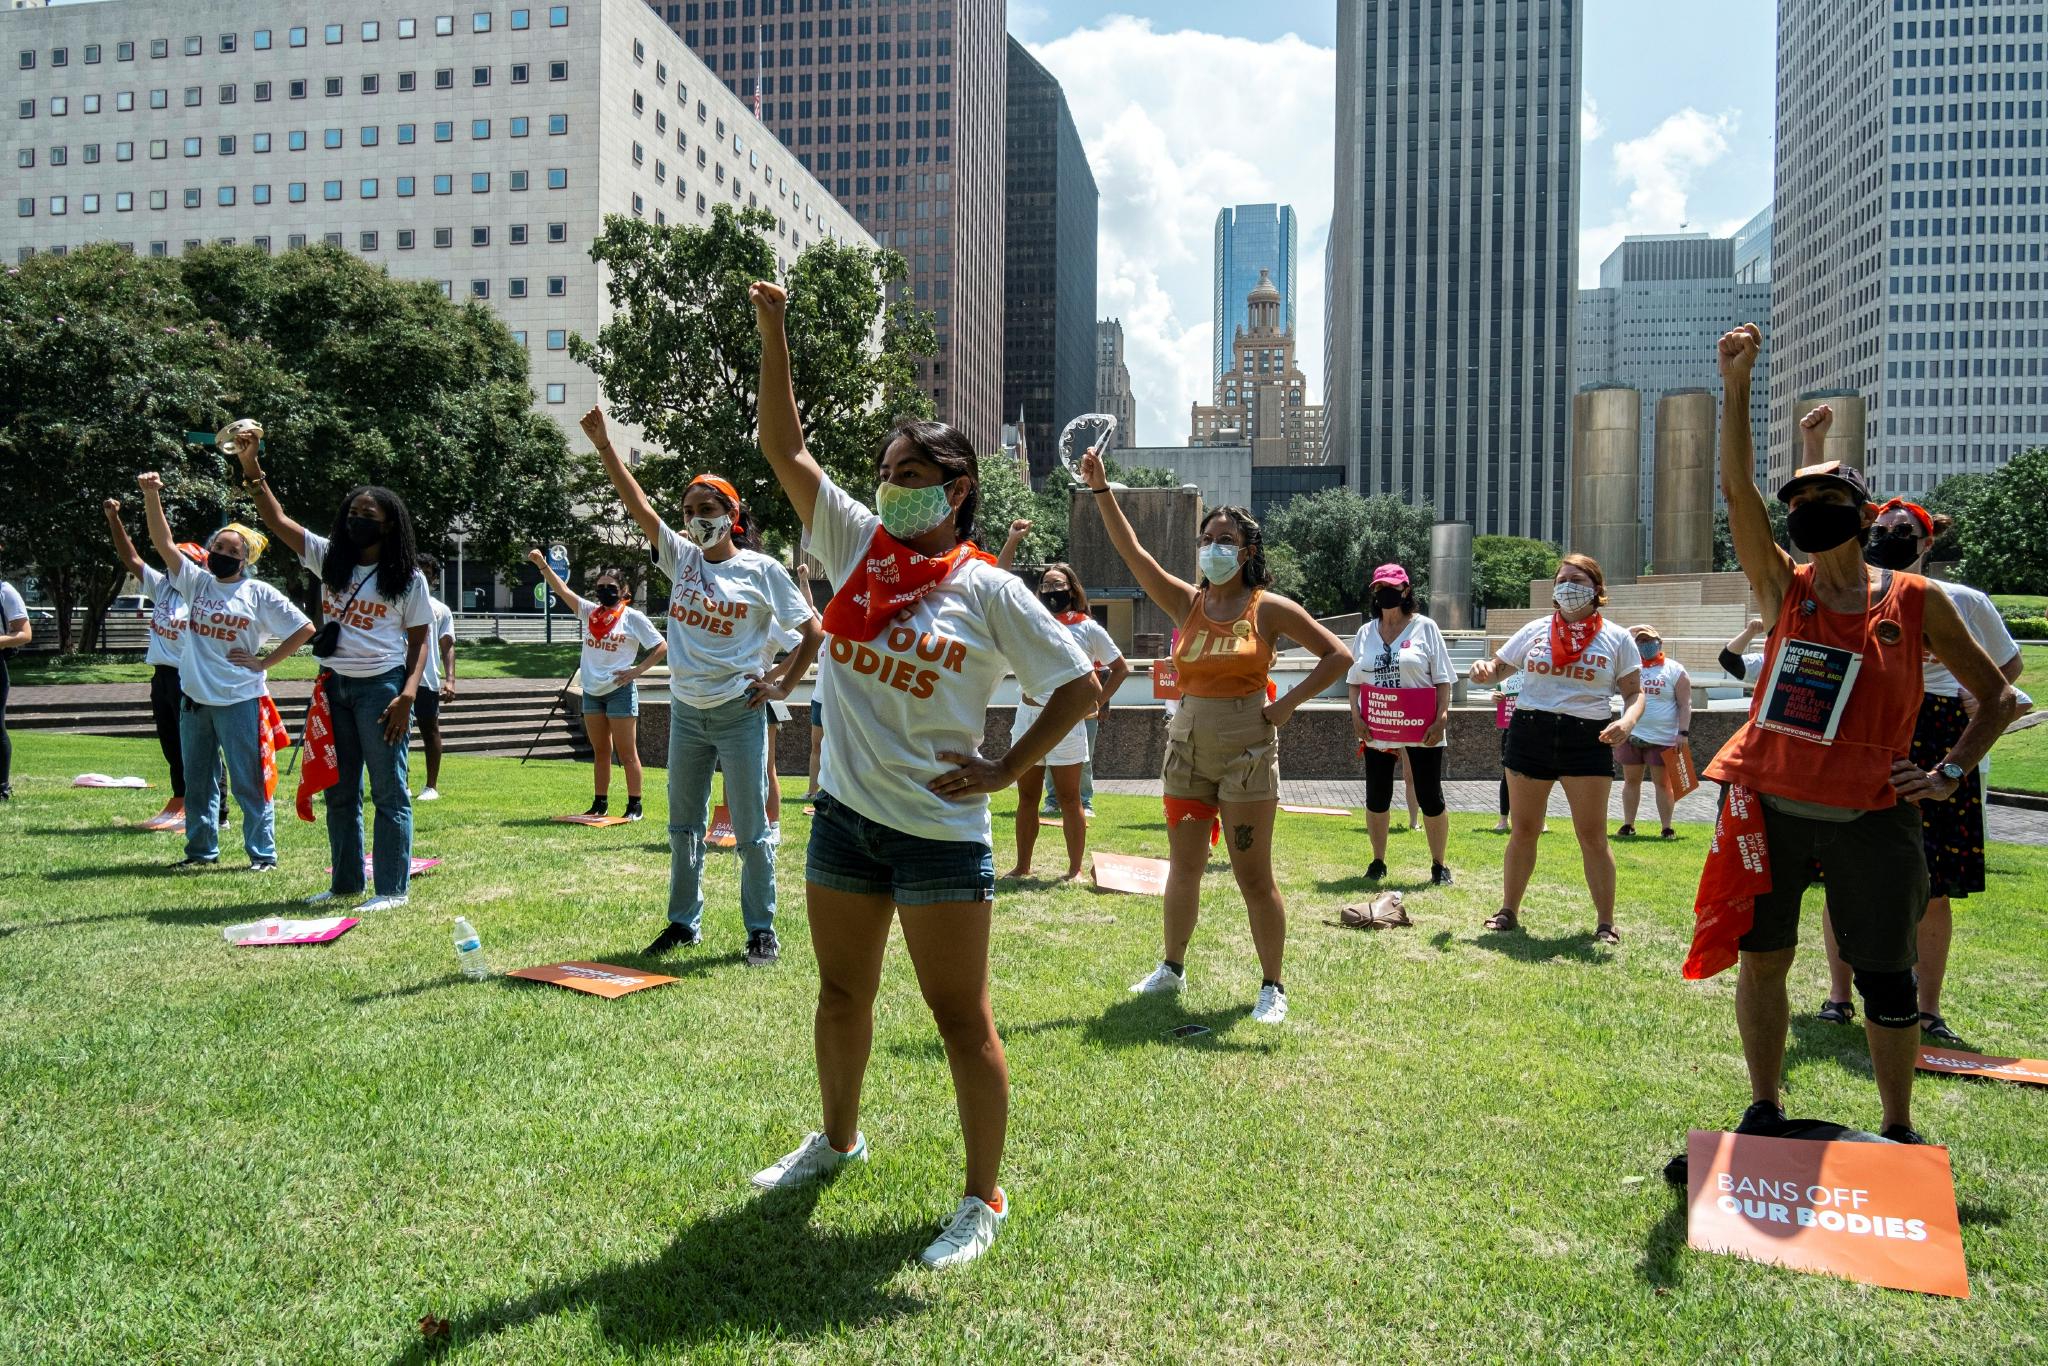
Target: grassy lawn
<point>2025,604</point>
<point>1450,1152</point>
<point>472,660</point>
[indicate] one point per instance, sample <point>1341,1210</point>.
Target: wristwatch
<point>1954,772</point>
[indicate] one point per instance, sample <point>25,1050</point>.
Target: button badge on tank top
<point>1241,629</point>
<point>1808,607</point>
<point>1889,632</point>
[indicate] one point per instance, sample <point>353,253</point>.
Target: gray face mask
<point>1573,597</point>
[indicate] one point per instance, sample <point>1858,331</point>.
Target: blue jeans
<point>735,737</point>
<point>235,731</point>
<point>358,705</point>
<point>1052,798</point>
<point>850,853</point>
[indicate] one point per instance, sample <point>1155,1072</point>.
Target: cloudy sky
<point>1191,105</point>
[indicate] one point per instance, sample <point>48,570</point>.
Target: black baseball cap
<point>1833,473</point>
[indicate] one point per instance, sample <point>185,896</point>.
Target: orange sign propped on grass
<point>1123,873</point>
<point>720,835</point>
<point>1316,810</point>
<point>1880,1213</point>
<point>597,979</point>
<point>1954,1060</point>
<point>590,820</point>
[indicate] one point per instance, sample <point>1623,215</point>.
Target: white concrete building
<point>479,149</point>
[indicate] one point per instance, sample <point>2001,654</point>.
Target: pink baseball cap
<point>1390,573</point>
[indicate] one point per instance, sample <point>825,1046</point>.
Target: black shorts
<point>1876,881</point>
<point>1547,745</point>
<point>426,707</point>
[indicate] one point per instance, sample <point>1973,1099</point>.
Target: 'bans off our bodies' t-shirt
<point>373,629</point>
<point>1661,690</point>
<point>719,617</point>
<point>605,659</point>
<point>225,617</point>
<point>923,685</point>
<point>1581,688</point>
<point>167,619</point>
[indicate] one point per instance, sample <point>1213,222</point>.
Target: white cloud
<point>1659,168</point>
<point>1177,126</point>
<point>1590,126</point>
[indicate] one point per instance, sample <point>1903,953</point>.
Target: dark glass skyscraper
<point>1048,262</point>
<point>897,108</point>
<point>1250,238</point>
<point>1453,256</point>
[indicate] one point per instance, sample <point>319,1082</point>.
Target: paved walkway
<point>2010,824</point>
<point>134,694</point>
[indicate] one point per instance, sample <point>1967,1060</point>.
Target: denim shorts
<point>817,713</point>
<point>623,700</point>
<point>850,853</point>
<point>1548,745</point>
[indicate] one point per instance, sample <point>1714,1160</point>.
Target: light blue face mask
<point>1218,563</point>
<point>909,513</point>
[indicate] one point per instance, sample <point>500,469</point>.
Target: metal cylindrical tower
<point>1606,477</point>
<point>1450,575</point>
<point>1682,525</point>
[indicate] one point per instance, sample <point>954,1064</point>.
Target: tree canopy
<point>1337,538</point>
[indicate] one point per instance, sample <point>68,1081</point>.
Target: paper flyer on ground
<point>302,932</point>
<point>596,979</point>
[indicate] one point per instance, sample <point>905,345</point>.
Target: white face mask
<point>1572,597</point>
<point>707,531</point>
<point>1218,563</point>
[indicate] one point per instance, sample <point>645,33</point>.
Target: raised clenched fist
<point>594,428</point>
<point>1738,351</point>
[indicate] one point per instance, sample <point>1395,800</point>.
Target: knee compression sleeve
<point>1890,999</point>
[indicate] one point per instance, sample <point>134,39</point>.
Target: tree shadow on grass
<point>763,1268</point>
<point>1526,948</point>
<point>1140,1021</point>
<point>1361,883</point>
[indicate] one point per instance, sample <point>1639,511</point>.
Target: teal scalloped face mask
<point>910,513</point>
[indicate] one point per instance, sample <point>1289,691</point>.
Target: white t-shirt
<point>225,617</point>
<point>604,660</point>
<point>373,633</point>
<point>1094,641</point>
<point>442,628</point>
<point>1416,658</point>
<point>719,616</point>
<point>780,641</point>
<point>168,619</point>
<point>923,685</point>
<point>12,608</point>
<point>1662,687</point>
<point>1981,615</point>
<point>1581,688</point>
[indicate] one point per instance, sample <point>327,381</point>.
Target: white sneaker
<point>1272,1006</point>
<point>813,1158</point>
<point>430,795</point>
<point>1163,979</point>
<point>773,838</point>
<point>321,898</point>
<point>967,1232</point>
<point>383,903</point>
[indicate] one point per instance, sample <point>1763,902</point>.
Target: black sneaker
<point>1376,870</point>
<point>6,792</point>
<point>633,811</point>
<point>1761,1117</point>
<point>1627,832</point>
<point>194,865</point>
<point>672,936</point>
<point>763,949</point>
<point>1439,875</point>
<point>597,806</point>
<point>1903,1133</point>
<point>262,865</point>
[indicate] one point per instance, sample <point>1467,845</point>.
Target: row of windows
<point>296,192</point>
<point>880,24</point>
<point>295,140</point>
<point>263,39</point>
<point>370,83</point>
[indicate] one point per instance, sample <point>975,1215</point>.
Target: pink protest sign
<point>302,932</point>
<point>419,865</point>
<point>1503,710</point>
<point>1398,716</point>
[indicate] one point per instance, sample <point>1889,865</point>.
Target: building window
<point>408,133</point>
<point>295,90</point>
<point>159,199</point>
<point>480,22</point>
<point>516,287</point>
<point>639,155</point>
<point>405,187</point>
<point>194,97</point>
<point>366,241</point>
<point>124,201</point>
<point>479,289</point>
<point>295,192</point>
<point>92,102</point>
<point>332,85</point>
<point>558,71</point>
<point>558,16</point>
<point>558,124</point>
<point>261,40</point>
<point>159,99</point>
<point>444,237</point>
<point>90,203</point>
<point>369,85</point>
<point>479,75</point>
<point>25,208</point>
<point>558,393</point>
<point>331,138</point>
<point>60,156</point>
<point>124,101</point>
<point>444,78</point>
<point>59,206</point>
<point>263,92</point>
<point>408,28</point>
<point>124,52</point>
<point>369,31</point>
<point>366,189</point>
<point>296,37</point>
<point>330,190</point>
<point>224,146</point>
<point>444,184</point>
<point>479,130</point>
<point>444,25</point>
<point>159,148</point>
<point>332,33</point>
<point>193,197</point>
<point>521,72</point>
<point>296,139</point>
<point>408,81</point>
<point>558,232</point>
<point>558,177</point>
<point>518,179</point>
<point>159,48</point>
<point>518,234</point>
<point>404,234</point>
<point>367,135</point>
<point>193,147</point>
<point>520,126</point>
<point>558,286</point>
<point>259,194</point>
<point>522,19</point>
<point>479,182</point>
<point>558,339</point>
<point>225,197</point>
<point>194,46</point>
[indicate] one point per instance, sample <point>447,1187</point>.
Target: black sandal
<point>1503,919</point>
<point>1836,1012</point>
<point>1606,934</point>
<point>1934,1027</point>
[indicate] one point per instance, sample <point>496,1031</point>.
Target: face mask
<point>1649,649</point>
<point>909,513</point>
<point>708,531</point>
<point>1386,599</point>
<point>365,531</point>
<point>222,566</point>
<point>1218,563</point>
<point>1894,550</point>
<point>1573,597</point>
<point>1818,527</point>
<point>1058,600</point>
<point>607,595</point>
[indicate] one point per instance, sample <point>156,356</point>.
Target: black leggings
<point>6,744</point>
<point>1503,770</point>
<point>1382,765</point>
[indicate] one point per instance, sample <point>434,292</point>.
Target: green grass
<point>1450,1152</point>
<point>2021,604</point>
<point>480,659</point>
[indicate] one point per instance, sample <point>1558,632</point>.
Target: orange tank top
<point>1876,724</point>
<point>1222,659</point>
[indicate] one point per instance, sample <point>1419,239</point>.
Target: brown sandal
<point>1503,919</point>
<point>1607,934</point>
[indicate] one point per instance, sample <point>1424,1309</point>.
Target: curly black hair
<point>398,557</point>
<point>948,448</point>
<point>1254,570</point>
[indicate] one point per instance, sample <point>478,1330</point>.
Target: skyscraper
<point>1262,399</point>
<point>1453,256</point>
<point>1753,250</point>
<point>1662,304</point>
<point>1113,382</point>
<point>1908,229</point>
<point>1250,238</point>
<point>898,111</point>
<point>1048,262</point>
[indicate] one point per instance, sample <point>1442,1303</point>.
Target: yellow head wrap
<point>251,537</point>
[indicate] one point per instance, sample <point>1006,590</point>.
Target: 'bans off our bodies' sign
<point>1398,716</point>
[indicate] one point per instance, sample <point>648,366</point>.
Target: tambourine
<point>225,437</point>
<point>1097,430</point>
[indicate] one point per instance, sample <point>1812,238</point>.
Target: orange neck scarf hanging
<point>1569,639</point>
<point>1070,618</point>
<point>890,580</point>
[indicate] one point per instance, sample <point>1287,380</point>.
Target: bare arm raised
<point>124,549</point>
<point>268,508</point>
<point>562,590</point>
<point>781,428</point>
<point>630,493</point>
<point>1764,562</point>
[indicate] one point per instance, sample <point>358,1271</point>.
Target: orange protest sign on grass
<point>1958,1063</point>
<point>720,835</point>
<point>596,979</point>
<point>1316,810</point>
<point>1680,776</point>
<point>1880,1213</point>
<point>589,820</point>
<point>1123,873</point>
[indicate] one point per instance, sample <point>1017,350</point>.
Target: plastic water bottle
<point>469,951</point>
<point>269,928</point>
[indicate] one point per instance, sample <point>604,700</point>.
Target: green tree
<point>1503,566</point>
<point>1959,497</point>
<point>2000,530</point>
<point>1005,496</point>
<point>680,357</point>
<point>1338,537</point>
<point>1724,541</point>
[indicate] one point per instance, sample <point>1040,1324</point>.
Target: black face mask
<point>1819,527</point>
<point>607,595</point>
<point>1894,550</point>
<point>365,531</point>
<point>222,566</point>
<point>1386,599</point>
<point>1057,601</point>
